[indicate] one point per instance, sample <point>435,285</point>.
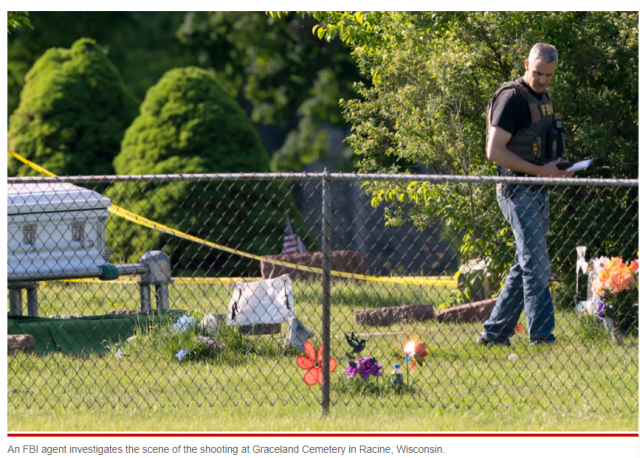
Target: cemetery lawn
<point>304,418</point>
<point>585,382</point>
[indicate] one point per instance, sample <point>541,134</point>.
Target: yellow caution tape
<point>179,280</point>
<point>32,165</point>
<point>141,220</point>
<point>441,281</point>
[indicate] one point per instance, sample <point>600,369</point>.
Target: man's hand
<point>551,170</point>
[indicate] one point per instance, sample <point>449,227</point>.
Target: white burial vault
<point>55,230</point>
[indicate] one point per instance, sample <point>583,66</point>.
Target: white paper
<point>580,165</point>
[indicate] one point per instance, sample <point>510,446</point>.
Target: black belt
<point>504,172</point>
<point>511,173</point>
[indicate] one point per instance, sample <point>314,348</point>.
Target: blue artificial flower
<point>184,323</point>
<point>182,353</point>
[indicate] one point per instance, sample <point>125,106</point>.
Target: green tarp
<point>85,335</point>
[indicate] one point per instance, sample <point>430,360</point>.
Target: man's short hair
<point>544,51</point>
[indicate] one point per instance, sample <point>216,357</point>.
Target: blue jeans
<point>527,285</point>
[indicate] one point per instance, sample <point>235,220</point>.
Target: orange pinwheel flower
<point>416,351</point>
<point>313,364</point>
<point>634,266</point>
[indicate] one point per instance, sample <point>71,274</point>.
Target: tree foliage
<point>141,45</point>
<point>287,79</point>
<point>17,19</point>
<point>73,112</point>
<point>280,72</point>
<point>433,74</point>
<point>188,124</point>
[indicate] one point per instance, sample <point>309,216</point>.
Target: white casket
<point>55,230</point>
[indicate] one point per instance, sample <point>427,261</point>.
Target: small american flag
<point>292,241</point>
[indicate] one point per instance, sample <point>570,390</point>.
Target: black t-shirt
<point>510,111</point>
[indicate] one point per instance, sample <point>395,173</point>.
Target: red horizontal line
<point>323,435</point>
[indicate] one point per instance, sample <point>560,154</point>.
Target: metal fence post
<point>15,302</point>
<point>326,291</point>
<point>32,300</point>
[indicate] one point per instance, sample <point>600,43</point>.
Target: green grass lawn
<point>584,382</point>
<point>303,418</point>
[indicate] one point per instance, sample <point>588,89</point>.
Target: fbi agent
<point>524,138</point>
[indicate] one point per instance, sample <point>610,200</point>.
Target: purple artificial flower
<point>602,306</point>
<point>365,366</point>
<point>350,371</point>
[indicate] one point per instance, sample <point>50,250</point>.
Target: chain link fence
<point>174,290</point>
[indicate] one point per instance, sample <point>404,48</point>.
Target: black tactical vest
<point>530,143</point>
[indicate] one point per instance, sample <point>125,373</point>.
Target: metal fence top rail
<point>330,176</point>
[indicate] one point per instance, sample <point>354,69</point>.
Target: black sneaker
<point>537,343</point>
<point>482,340</point>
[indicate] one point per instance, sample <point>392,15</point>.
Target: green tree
<point>73,112</point>
<point>188,124</point>
<point>141,44</point>
<point>433,74</point>
<point>286,78</point>
<point>17,19</point>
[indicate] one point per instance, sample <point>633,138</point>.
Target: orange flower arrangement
<point>615,277</point>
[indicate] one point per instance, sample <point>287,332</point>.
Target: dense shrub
<point>188,124</point>
<point>73,112</point>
